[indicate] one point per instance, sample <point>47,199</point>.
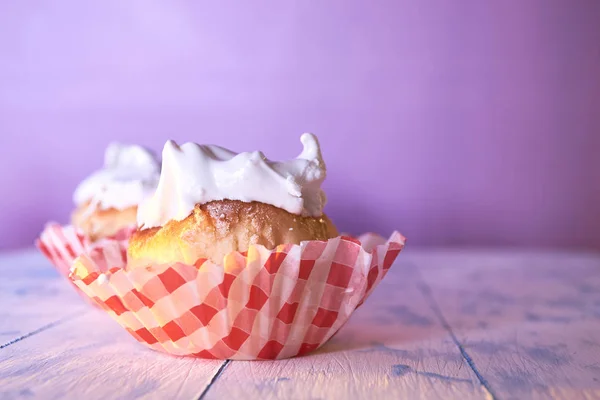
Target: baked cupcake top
<point>197,174</point>
<point>130,174</point>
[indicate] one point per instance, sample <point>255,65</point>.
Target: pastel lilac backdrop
<point>459,123</point>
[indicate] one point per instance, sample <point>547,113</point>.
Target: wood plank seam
<point>427,293</point>
<point>214,379</point>
<point>45,327</point>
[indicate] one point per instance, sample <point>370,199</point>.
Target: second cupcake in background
<point>107,200</point>
<point>106,205</point>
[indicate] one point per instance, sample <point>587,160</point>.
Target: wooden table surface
<point>443,324</point>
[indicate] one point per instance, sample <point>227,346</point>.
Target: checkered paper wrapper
<point>61,245</point>
<point>260,304</point>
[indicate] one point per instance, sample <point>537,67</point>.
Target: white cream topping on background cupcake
<point>130,175</point>
<point>197,174</point>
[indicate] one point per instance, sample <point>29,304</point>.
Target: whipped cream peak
<point>197,174</point>
<point>130,174</point>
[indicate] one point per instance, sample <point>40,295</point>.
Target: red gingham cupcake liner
<point>61,245</point>
<point>260,304</point>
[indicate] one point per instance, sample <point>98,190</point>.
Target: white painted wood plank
<point>21,263</point>
<point>392,348</point>
<point>531,322</point>
<point>32,295</point>
<point>80,352</point>
<point>91,357</point>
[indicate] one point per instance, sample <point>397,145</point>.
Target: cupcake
<point>234,258</point>
<point>107,201</point>
<point>105,205</point>
<point>211,202</point>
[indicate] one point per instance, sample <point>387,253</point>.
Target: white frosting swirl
<point>197,174</point>
<point>130,175</point>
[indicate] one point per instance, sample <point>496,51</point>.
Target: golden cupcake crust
<point>98,223</point>
<point>215,229</point>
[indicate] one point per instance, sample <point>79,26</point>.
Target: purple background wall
<point>459,123</point>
